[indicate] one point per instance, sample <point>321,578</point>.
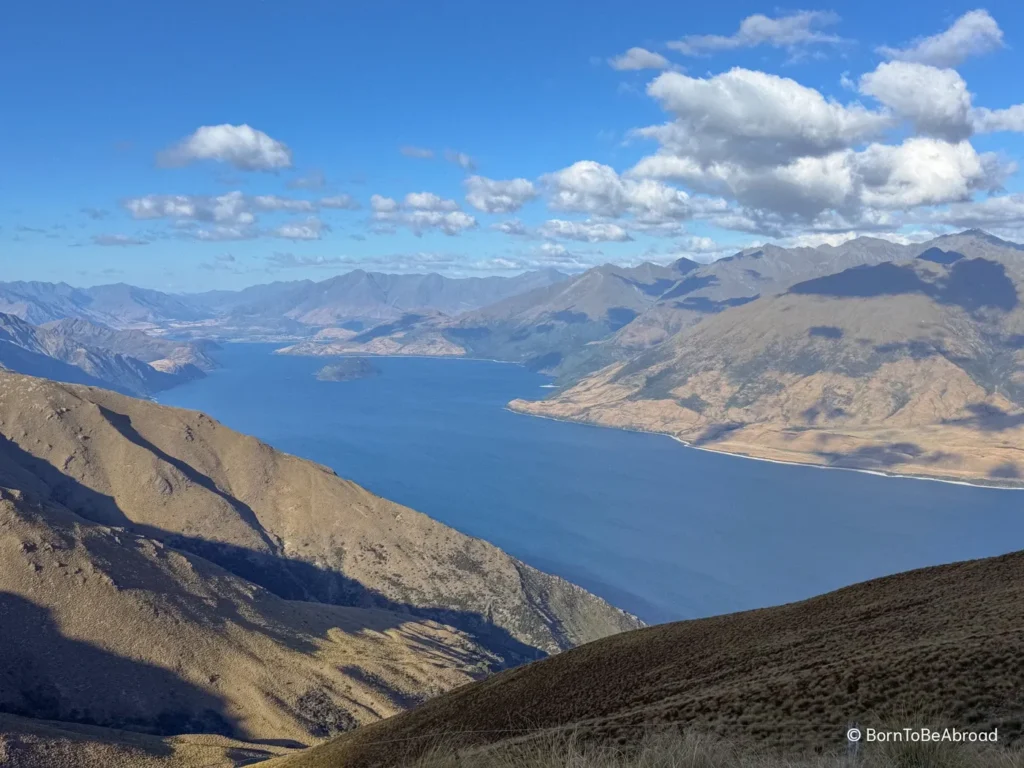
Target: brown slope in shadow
<point>168,472</point>
<point>947,640</point>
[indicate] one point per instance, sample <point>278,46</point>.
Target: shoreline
<point>720,452</point>
<point>415,357</point>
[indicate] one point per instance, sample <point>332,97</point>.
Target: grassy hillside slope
<point>946,642</point>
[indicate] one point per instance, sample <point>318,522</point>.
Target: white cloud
<point>461,159</point>
<point>417,152</point>
<point>992,212</point>
<point>755,117</point>
<point>420,212</point>
<point>118,240</point>
<point>596,189</point>
<point>973,34</point>
<point>511,227</point>
<point>787,156</point>
<point>639,58</point>
<point>923,171</point>
<point>381,204</point>
<point>341,202</point>
<point>584,231</point>
<point>241,146</point>
<point>310,228</point>
<point>995,120</point>
<point>452,223</point>
<point>275,203</point>
<point>428,201</point>
<point>233,215</point>
<point>221,233</point>
<point>920,171</point>
<point>936,101</point>
<point>231,207</point>
<point>797,29</point>
<point>493,196</point>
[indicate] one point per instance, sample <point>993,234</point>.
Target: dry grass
<point>947,642</point>
<point>673,750</point>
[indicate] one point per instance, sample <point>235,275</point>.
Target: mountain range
<point>81,352</point>
<point>294,309</point>
<point>870,354</point>
<point>605,314</point>
<point>913,365</point>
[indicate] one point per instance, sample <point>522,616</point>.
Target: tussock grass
<point>689,750</point>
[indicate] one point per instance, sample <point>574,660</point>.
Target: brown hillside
<point>288,524</point>
<point>29,743</point>
<point>162,574</point>
<point>105,627</point>
<point>947,641</point>
<point>915,367</point>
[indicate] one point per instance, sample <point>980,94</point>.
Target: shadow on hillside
<point>883,456</point>
<point>972,284</point>
<point>287,577</point>
<point>1006,471</point>
<point>715,432</point>
<point>48,676</point>
<point>989,418</point>
<point>123,424</point>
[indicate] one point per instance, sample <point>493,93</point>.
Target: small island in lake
<point>347,370</point>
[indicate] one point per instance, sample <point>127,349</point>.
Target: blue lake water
<point>659,529</point>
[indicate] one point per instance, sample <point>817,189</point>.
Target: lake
<point>662,530</point>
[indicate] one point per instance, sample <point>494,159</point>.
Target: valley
<point>275,606</point>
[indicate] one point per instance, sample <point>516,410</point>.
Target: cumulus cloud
<point>590,187</point>
<point>797,29</point>
<point>639,58</point>
<point>923,171</point>
<point>973,34</point>
<point>381,204</point>
<point>233,214</point>
<point>584,231</point>
<point>511,227</point>
<point>310,228</point>
<point>756,117</point>
<point>231,207</point>
<point>275,203</point>
<point>420,212</point>
<point>415,261</point>
<point>286,260</point>
<point>221,233</point>
<point>997,212</point>
<point>341,202</point>
<point>995,120</point>
<point>936,101</point>
<point>494,196</point>
<point>786,156</point>
<point>240,146</point>
<point>428,201</point>
<point>920,171</point>
<point>118,240</point>
<point>461,159</point>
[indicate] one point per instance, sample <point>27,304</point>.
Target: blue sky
<point>218,144</point>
